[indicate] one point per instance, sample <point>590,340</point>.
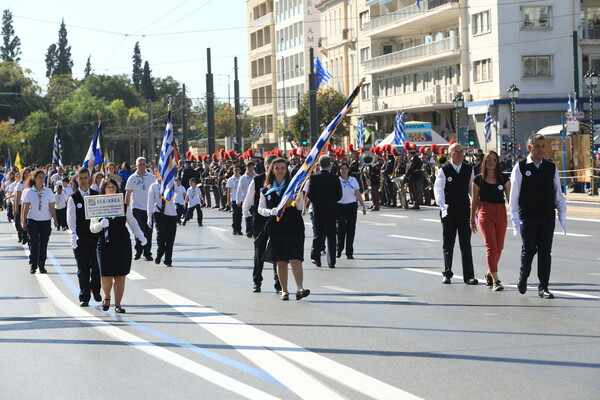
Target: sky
<point>173,36</point>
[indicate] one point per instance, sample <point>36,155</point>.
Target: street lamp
<point>591,79</point>
<point>513,94</point>
<point>458,102</point>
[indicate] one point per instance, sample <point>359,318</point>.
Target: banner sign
<point>104,206</point>
<point>420,132</point>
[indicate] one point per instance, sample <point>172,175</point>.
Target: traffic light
<point>303,139</point>
<point>505,146</point>
<point>471,137</point>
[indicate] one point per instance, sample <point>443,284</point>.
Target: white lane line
<point>394,216</point>
<point>572,234</point>
<point>594,273</point>
<point>367,298</point>
<point>379,223</point>
<point>414,238</point>
<point>217,228</point>
<point>244,339</point>
<point>238,334</point>
<point>583,219</point>
<point>532,288</point>
<point>429,220</point>
<point>340,289</point>
<point>135,276</point>
<point>138,343</point>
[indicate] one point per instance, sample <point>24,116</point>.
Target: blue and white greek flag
<point>399,133</point>
<point>418,3</point>
<point>57,151</point>
<point>360,132</point>
<point>167,166</point>
<point>575,106</point>
<point>8,163</point>
<point>322,75</point>
<point>256,132</point>
<point>569,107</point>
<point>487,129</point>
<point>94,154</point>
<point>294,189</point>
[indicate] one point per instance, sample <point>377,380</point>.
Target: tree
<point>51,60</point>
<point>10,138</point>
<point>112,87</point>
<point>165,87</point>
<point>11,44</point>
<point>38,137</point>
<point>136,75</point>
<point>58,56</point>
<point>18,107</point>
<point>88,68</point>
<point>224,120</point>
<point>147,86</point>
<point>59,88</point>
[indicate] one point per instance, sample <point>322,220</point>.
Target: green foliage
<point>11,44</point>
<point>60,88</point>
<point>165,87</point>
<point>147,86</point>
<point>88,68</point>
<point>58,56</point>
<point>112,87</point>
<point>11,75</point>
<point>38,137</point>
<point>136,75</point>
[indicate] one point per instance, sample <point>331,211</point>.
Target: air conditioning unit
<point>384,105</point>
<point>468,96</point>
<point>345,33</point>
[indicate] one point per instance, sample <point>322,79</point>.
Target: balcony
<point>382,24</point>
<point>264,20</point>
<point>437,96</point>
<point>589,32</point>
<point>424,53</point>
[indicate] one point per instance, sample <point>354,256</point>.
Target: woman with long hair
<point>38,210</point>
<point>97,179</point>
<point>17,201</point>
<point>114,249</point>
<point>347,207</point>
<point>490,190</point>
<point>286,236</point>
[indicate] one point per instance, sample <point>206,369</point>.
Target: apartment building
<point>261,59</point>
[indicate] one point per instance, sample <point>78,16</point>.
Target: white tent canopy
<point>419,133</point>
<point>555,130</point>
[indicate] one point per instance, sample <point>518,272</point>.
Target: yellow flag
<point>18,162</point>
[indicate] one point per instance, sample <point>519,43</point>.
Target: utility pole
<point>210,106</point>
<point>238,121</point>
<point>312,99</point>
<point>150,155</point>
<point>130,139</point>
<point>184,127</point>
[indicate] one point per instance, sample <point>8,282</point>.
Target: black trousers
<point>166,229</point>
<point>324,231</point>
<point>249,220</point>
<point>88,272</point>
<point>17,218</point>
<point>536,237</point>
<point>346,227</point>
<point>457,220</point>
<point>237,217</point>
<point>190,213</point>
<point>180,211</point>
<point>61,217</point>
<point>142,219</point>
<point>39,235</point>
<point>261,238</point>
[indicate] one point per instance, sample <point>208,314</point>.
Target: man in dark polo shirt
<point>452,189</point>
<point>535,194</point>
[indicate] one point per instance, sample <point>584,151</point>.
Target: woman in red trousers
<point>490,189</point>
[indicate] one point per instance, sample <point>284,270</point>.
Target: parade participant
<point>60,206</point>
<point>414,177</point>
<point>250,208</point>
<point>111,173</point>
<point>286,237</point>
<point>9,187</point>
<point>56,177</point>
<point>179,200</point>
<point>16,204</point>
<point>452,187</point>
<point>536,193</point>
<point>67,187</point>
<point>324,192</point>
<point>232,186</point>
<point>374,177</point>
<point>136,198</point>
<point>114,248</point>
<point>193,200</point>
<point>124,173</point>
<point>97,181</point>
<point>38,209</point>
<point>187,173</point>
<point>242,191</point>
<point>346,212</point>
<point>489,209</point>
<point>84,241</point>
<point>164,215</point>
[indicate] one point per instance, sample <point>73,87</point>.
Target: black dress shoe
<point>97,297</point>
<point>43,270</point>
<point>249,234</point>
<point>157,260</point>
<point>256,289</point>
<point>137,256</point>
<point>302,293</point>
<point>471,281</point>
<point>445,280</point>
<point>84,304</point>
<point>316,262</point>
<point>332,266</point>
<point>148,258</point>
<point>285,297</point>
<point>350,257</point>
<point>33,269</point>
<point>338,254</point>
<point>522,284</point>
<point>545,294</point>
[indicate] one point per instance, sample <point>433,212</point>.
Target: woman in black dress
<point>114,249</point>
<point>286,237</point>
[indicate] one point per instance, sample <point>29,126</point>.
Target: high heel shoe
<point>105,304</point>
<point>119,310</point>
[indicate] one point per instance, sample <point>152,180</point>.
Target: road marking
<point>379,223</point>
<point>414,238</point>
<point>244,337</point>
<point>138,343</point>
<point>366,297</point>
<point>217,228</point>
<point>340,289</point>
<point>430,220</point>
<point>394,216</point>
<point>572,234</point>
<point>135,276</point>
<point>583,219</point>
<point>594,273</point>
<point>459,277</point>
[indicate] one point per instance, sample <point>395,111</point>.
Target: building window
<point>387,49</point>
<point>536,17</point>
<point>537,67</point>
<point>481,23</point>
<point>365,54</point>
<point>366,91</point>
<point>482,70</point>
<point>363,18</point>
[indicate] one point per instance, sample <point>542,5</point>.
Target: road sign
<point>575,115</point>
<point>573,126</point>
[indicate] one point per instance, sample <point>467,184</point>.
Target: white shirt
<point>60,200</point>
<point>516,179</point>
<point>266,212</point>
<point>39,203</point>
<point>19,188</point>
<point>154,201</point>
<point>96,225</point>
<point>95,187</point>
<point>139,186</point>
<point>242,189</point>
<point>349,189</point>
<point>232,183</point>
<point>71,213</point>
<point>180,194</point>
<point>440,185</point>
<point>68,191</point>
<point>193,195</point>
<point>249,200</point>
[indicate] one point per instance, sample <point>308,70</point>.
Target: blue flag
<point>57,151</point>
<point>487,129</point>
<point>294,189</point>
<point>167,166</point>
<point>418,3</point>
<point>322,75</point>
<point>360,132</point>
<point>256,132</point>
<point>94,154</point>
<point>399,133</point>
<point>8,163</point>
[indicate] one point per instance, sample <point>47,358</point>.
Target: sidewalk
<point>582,197</point>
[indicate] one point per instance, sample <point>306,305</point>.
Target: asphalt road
<point>380,326</point>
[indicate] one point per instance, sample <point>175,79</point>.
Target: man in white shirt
<point>164,214</point>
<point>242,191</point>
<point>136,197</point>
<point>232,185</point>
<point>179,199</point>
